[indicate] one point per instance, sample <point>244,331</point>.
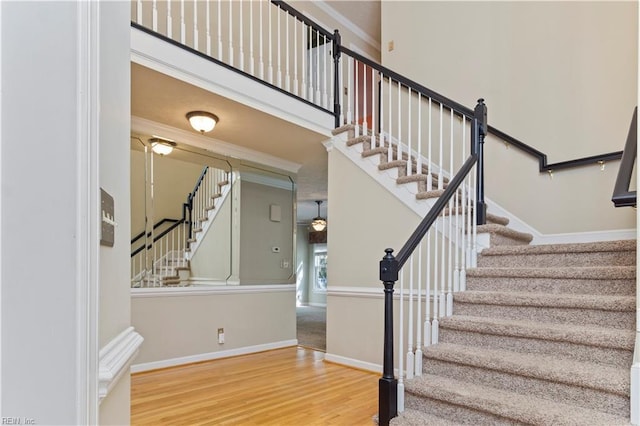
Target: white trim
<point>202,281</point>
<point>142,125</point>
<point>181,64</point>
<point>172,362</point>
<point>316,305</point>
<point>87,231</point>
<point>115,358</point>
<point>211,290</point>
<point>1,375</point>
<point>355,363</point>
<point>635,384</point>
<point>344,21</point>
<point>364,292</point>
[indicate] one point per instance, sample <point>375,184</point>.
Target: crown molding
<point>348,24</point>
<point>149,127</point>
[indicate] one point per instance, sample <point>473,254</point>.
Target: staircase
<point>542,335</point>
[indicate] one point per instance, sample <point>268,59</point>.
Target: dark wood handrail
<point>300,17</point>
<point>622,197</point>
<point>157,237</point>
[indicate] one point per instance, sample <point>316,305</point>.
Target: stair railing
<point>268,41</point>
<point>168,249</point>
<point>622,196</point>
<point>430,267</point>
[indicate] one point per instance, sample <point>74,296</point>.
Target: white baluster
<point>364,100</point>
<point>381,135</point>
<point>350,61</point>
<point>429,157</point>
<point>241,28</point>
<point>169,21</point>
<point>410,360</point>
<point>219,30</point>
<point>419,159</point>
<point>409,131</point>
<point>390,131</point>
<point>303,71</point>
<point>183,25</point>
<point>261,65</point>
<point>427,297</point>
<point>399,143</point>
<point>450,283</point>
<point>325,100</point>
<point>373,114</point>
<point>440,165</point>
<point>443,273</point>
<point>196,36</point>
<point>316,83</point>
<point>330,69</point>
<point>436,297</point>
<point>270,46</point>
<point>339,94</point>
<point>287,78</point>
<point>279,59</point>
<point>356,98</point>
<point>418,355</point>
<point>231,54</point>
<point>463,271</point>
<point>251,60</point>
<point>208,24</point>
<point>295,56</point>
<point>401,346</point>
<point>154,15</point>
<point>139,12</point>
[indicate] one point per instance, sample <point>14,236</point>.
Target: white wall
<point>49,204</point>
<point>560,76</point>
<point>302,262</point>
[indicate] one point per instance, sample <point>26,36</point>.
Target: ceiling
<point>165,100</point>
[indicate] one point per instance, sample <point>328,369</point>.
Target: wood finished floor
<point>290,386</point>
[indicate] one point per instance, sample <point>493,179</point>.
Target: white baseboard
<point>355,363</point>
<point>115,359</point>
<point>172,362</point>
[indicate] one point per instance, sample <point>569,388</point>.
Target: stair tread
<point>539,366</point>
<point>578,334</point>
<point>577,272</point>
<point>527,409</point>
<point>577,301</point>
<point>622,245</point>
<point>495,228</point>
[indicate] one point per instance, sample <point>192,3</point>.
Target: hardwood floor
<point>290,386</point>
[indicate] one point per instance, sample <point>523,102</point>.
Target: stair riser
<point>578,352</point>
<point>575,395</point>
<point>554,260</point>
<point>613,319</point>
<point>551,285</point>
<point>462,415</point>
<point>503,240</point>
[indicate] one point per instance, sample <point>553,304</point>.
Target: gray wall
<point>258,234</point>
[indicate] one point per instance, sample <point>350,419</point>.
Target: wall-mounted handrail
<point>542,157</point>
<point>622,197</point>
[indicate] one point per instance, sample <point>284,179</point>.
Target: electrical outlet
<point>391,46</point>
<point>284,264</point>
<point>221,335</point>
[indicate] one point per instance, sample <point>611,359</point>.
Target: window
<point>320,271</point>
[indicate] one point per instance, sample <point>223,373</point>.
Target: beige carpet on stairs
<point>543,336</point>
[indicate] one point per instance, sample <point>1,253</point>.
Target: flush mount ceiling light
<point>319,224</point>
<point>202,121</point>
<point>161,146</point>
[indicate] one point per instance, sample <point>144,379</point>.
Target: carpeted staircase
<point>543,335</point>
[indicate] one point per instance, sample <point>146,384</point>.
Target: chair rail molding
<point>115,359</point>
